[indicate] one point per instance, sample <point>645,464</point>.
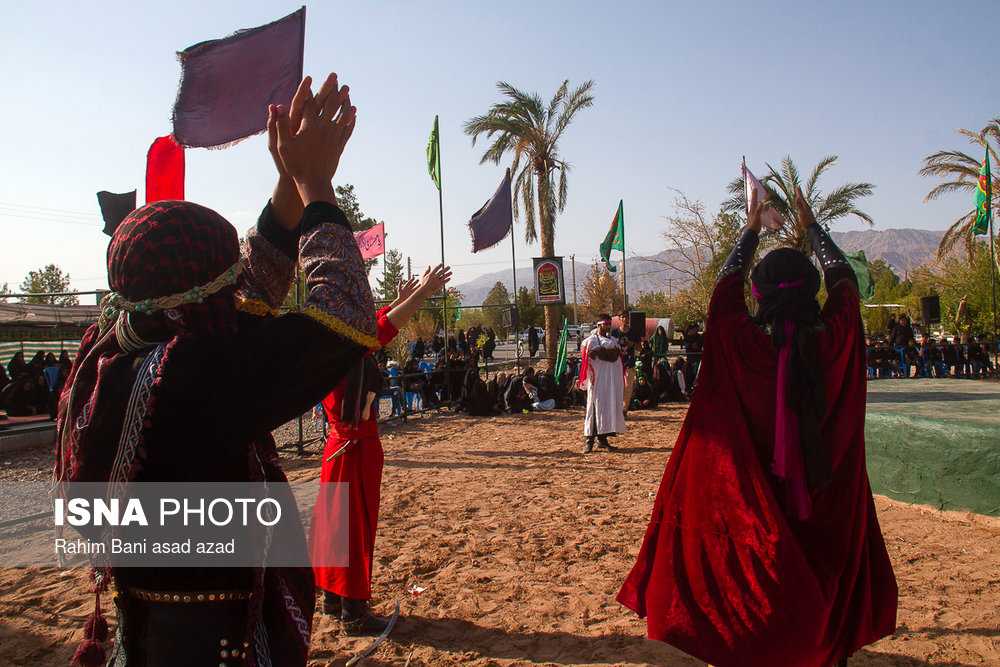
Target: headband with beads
<point>115,303</point>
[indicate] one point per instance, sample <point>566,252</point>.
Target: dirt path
<point>521,543</point>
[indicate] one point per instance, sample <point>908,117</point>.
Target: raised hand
<point>407,289</point>
<point>434,279</point>
<point>311,154</point>
<point>806,216</point>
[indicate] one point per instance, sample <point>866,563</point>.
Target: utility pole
<point>409,268</point>
<point>572,259</point>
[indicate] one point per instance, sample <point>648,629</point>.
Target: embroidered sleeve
<point>741,256</point>
<point>835,265</point>
<point>338,294</point>
<point>269,269</point>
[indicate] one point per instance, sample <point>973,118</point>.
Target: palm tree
<point>524,125</point>
<point>781,196</point>
<point>961,172</point>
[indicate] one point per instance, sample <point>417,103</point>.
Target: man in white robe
<point>602,376</point>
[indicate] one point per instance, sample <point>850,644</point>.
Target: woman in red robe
<point>353,454</point>
<point>764,547</point>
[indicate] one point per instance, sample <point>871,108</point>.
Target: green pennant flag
<point>983,197</point>
<point>561,356</point>
<point>615,240</point>
<point>866,284</point>
<point>434,156</point>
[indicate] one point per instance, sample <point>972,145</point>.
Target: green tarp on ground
<point>935,442</point>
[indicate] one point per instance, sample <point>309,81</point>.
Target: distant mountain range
<point>903,249</point>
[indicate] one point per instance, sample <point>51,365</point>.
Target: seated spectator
<point>474,397</point>
<point>911,355</point>
<point>17,399</point>
<point>16,365</point>
<point>977,358</point>
<point>65,361</point>
<point>40,395</point>
<point>954,356</point>
<point>933,359</point>
<point>643,396</point>
<point>872,358</point>
<point>889,360</point>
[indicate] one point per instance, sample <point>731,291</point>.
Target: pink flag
<point>769,217</point>
<point>371,242</point>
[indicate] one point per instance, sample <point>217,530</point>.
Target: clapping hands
<point>307,139</point>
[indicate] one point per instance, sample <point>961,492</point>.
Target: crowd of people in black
<point>465,384</point>
<point>33,388</point>
<point>897,354</point>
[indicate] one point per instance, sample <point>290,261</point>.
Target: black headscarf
<point>785,283</point>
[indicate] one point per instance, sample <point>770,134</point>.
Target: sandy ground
<point>521,543</point>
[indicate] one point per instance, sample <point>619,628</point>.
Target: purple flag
<point>115,208</point>
<point>227,84</point>
<point>491,224</point>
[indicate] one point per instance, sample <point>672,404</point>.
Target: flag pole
<point>621,209</point>
<point>444,289</point>
<point>993,286</point>
<point>513,272</point>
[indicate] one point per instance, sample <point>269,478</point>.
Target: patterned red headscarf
<point>162,249</point>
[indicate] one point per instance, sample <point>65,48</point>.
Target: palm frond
<point>526,188</point>
<point>563,186</point>
<point>951,186</point>
<point>557,98</point>
<point>959,229</point>
<point>823,165</point>
<point>948,162</point>
<point>791,174</point>
<point>580,98</point>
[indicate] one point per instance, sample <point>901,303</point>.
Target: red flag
<point>165,170</point>
<point>371,242</point>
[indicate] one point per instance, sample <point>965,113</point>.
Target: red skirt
<point>360,466</point>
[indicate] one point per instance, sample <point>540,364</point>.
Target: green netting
<point>935,442</point>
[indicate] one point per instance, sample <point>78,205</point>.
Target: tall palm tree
<point>781,185</point>
<point>525,126</point>
<point>961,172</point>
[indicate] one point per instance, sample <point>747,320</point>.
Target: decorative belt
<point>189,596</point>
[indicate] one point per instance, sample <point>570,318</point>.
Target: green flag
<point>615,240</point>
<point>434,156</point>
<point>866,284</point>
<point>561,356</point>
<point>983,197</point>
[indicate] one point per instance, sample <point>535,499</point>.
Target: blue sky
<point>683,91</point>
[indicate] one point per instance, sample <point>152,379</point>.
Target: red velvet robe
<point>723,573</point>
<point>361,467</point>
